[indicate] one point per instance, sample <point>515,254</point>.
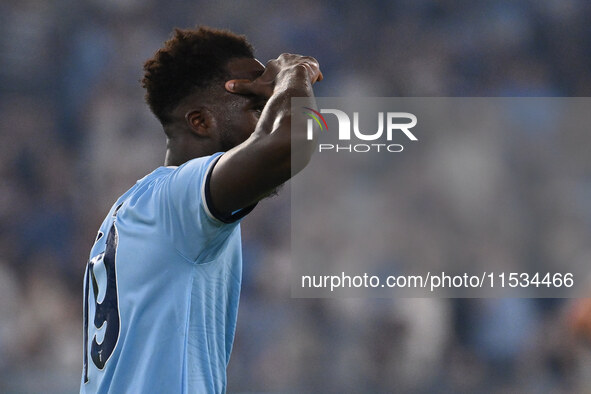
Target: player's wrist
<point>296,78</point>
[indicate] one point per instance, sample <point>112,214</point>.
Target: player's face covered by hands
<point>251,85</point>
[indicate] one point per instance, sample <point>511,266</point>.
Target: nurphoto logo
<point>396,122</point>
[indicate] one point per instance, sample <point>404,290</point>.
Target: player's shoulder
<point>191,174</point>
<point>144,187</point>
<point>198,164</point>
<point>158,173</point>
<point>171,183</point>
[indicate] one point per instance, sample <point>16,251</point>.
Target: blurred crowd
<point>75,134</point>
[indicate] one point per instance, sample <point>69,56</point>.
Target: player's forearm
<point>283,140</point>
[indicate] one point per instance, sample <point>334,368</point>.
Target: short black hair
<point>191,59</point>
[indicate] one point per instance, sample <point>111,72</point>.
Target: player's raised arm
<point>253,169</point>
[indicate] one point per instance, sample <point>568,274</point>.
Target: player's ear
<point>200,121</point>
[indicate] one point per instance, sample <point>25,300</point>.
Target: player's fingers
<point>317,76</point>
<point>258,87</point>
<point>240,86</point>
<point>313,70</point>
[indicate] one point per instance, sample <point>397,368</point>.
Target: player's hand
<point>285,66</point>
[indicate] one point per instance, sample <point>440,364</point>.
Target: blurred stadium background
<point>75,134</point>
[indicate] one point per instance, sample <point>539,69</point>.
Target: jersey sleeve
<point>196,229</point>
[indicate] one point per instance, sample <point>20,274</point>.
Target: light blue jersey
<point>161,288</point>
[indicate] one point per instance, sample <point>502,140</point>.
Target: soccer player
<point>162,283</point>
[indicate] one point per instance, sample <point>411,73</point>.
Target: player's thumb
<point>240,86</point>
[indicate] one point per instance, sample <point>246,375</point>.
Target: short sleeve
<point>188,216</point>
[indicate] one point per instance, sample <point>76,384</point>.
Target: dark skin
<point>249,118</point>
